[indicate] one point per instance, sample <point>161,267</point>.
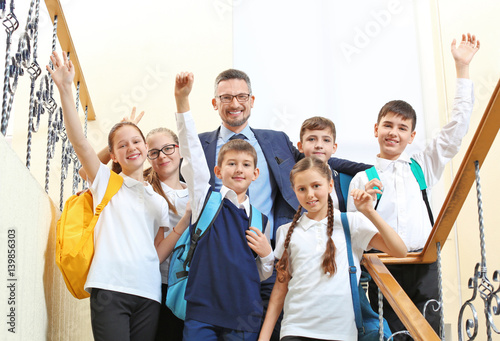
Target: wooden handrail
<point>54,8</point>
<point>402,305</point>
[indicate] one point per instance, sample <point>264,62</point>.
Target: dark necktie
<point>238,136</point>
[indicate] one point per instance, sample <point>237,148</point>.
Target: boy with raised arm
<point>402,202</point>
<point>223,289</point>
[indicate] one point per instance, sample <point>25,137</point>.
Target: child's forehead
<point>237,154</point>
<point>127,131</point>
<point>310,175</point>
<point>319,132</point>
<point>393,116</point>
<point>160,138</point>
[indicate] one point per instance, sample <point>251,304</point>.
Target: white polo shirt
<point>125,258</point>
<point>318,306</point>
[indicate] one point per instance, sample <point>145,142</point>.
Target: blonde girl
<point>163,175</point>
<point>124,278</point>
<point>312,284</point>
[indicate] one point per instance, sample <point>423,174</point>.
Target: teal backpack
<point>419,176</point>
<point>186,246</point>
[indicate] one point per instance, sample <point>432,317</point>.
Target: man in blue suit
<point>271,193</point>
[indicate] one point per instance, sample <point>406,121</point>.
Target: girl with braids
<point>312,285</point>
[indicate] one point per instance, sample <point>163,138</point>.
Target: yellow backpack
<point>75,236</point>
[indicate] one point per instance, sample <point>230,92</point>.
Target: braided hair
<point>328,265</point>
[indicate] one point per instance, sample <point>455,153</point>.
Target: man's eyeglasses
<point>167,150</point>
<point>242,98</point>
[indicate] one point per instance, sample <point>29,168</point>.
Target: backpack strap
<point>352,274</point>
<point>419,175</point>
<point>209,212</point>
<point>114,184</point>
<point>256,219</point>
<point>372,174</point>
<point>345,181</point>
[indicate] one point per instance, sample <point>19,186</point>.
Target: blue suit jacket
<point>281,156</point>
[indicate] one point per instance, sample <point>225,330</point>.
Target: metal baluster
<point>440,288</point>
<point>486,287</point>
<point>480,282</point>
<point>380,315</point>
<point>84,183</point>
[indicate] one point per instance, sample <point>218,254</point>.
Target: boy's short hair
<point>232,74</point>
<point>318,123</point>
<point>400,108</point>
<point>239,146</point>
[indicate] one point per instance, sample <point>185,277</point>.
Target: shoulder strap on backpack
<point>419,175</point>
<point>345,181</point>
<point>256,219</point>
<point>372,174</point>
<point>352,273</point>
<point>114,184</point>
<point>209,212</point>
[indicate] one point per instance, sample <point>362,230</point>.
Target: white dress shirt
<point>401,204</point>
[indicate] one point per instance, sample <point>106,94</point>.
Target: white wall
<point>35,303</point>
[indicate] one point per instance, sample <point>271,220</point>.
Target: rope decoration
<point>11,24</point>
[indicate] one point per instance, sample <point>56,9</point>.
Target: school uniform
<point>124,274</point>
<point>272,192</point>
<point>318,306</point>
<point>170,326</point>
<point>223,289</point>
<point>402,207</point>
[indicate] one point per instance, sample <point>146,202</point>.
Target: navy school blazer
<point>281,156</point>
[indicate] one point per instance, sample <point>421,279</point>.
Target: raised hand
<point>132,118</point>
<point>463,53</point>
<point>63,72</point>
<point>183,84</point>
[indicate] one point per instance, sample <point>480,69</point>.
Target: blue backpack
<point>186,246</point>
<point>419,176</point>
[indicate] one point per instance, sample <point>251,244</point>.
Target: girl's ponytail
<point>152,177</point>
<point>282,267</point>
<point>116,167</point>
<point>329,265</point>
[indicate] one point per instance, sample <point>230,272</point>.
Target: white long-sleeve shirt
<point>401,204</point>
